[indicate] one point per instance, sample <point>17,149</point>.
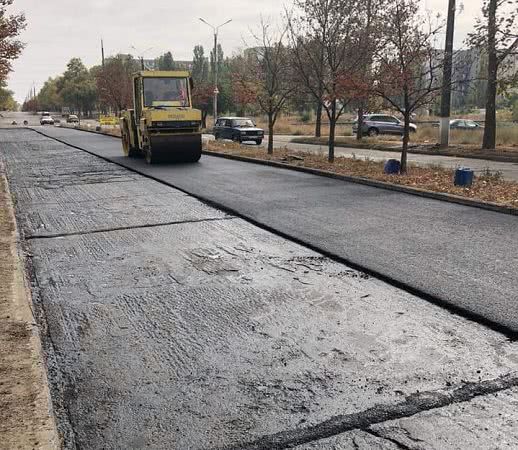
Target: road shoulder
<point>25,414</point>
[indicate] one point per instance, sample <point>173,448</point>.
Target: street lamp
<point>216,91</point>
<point>141,56</point>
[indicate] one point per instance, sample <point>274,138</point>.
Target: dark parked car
<point>72,118</point>
<point>374,124</point>
<point>462,124</point>
<point>239,129</point>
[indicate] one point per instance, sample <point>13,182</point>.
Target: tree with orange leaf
<point>407,69</point>
<point>264,74</point>
<point>11,25</point>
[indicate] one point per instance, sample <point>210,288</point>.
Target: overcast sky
<point>61,29</point>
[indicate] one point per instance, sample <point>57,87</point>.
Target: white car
<point>46,120</point>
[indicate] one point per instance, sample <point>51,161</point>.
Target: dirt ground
<point>25,418</point>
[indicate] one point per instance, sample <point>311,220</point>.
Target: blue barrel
<point>463,177</point>
<point>392,166</point>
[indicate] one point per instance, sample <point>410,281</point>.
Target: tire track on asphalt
<point>134,227</point>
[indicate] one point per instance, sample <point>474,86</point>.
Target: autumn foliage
<point>11,25</point>
<point>114,82</point>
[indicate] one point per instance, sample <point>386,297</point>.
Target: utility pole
<point>447,74</point>
<point>216,90</point>
<point>102,52</point>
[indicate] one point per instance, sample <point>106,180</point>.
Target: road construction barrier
<point>108,120</point>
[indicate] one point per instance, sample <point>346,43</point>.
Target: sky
<point>59,30</point>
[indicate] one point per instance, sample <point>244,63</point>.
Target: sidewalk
<point>25,418</point>
<point>509,170</point>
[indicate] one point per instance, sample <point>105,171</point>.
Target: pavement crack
<point>133,227</point>
<point>397,443</point>
<point>413,404</point>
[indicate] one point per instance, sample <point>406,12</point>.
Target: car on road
<point>72,118</point>
<point>46,120</point>
<point>239,129</point>
<point>374,124</point>
<point>464,124</point>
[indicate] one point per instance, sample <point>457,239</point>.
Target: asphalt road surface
<point>461,255</point>
<point>169,324</point>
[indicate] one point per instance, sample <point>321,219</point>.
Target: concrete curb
<point>359,180</point>
<point>373,183</point>
<point>411,151</point>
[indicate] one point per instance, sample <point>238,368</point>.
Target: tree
<point>362,80</point>
<point>77,87</point>
<point>327,47</point>
<point>408,69</point>
<point>114,82</point>
<point>497,34</point>
<point>203,89</point>
<point>31,105</point>
<point>49,98</point>
<point>200,65</point>
<point>11,25</point>
<point>7,102</point>
<point>243,91</point>
<point>264,74</point>
<point>165,62</point>
<point>202,98</point>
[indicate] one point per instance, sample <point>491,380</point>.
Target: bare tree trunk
<point>332,128</point>
<point>406,138</point>
<point>318,125</point>
<point>359,132</point>
<point>489,141</point>
<point>271,123</point>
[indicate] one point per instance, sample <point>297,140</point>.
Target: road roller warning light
<point>162,126</point>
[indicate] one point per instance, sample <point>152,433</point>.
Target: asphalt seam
<point>431,298</point>
<point>133,227</point>
<point>414,404</point>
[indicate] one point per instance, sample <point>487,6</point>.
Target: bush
<point>306,116</point>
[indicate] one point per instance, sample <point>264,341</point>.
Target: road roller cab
<point>162,126</point>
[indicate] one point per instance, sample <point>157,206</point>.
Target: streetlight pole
<point>141,56</point>
<point>446,79</point>
<point>216,91</point>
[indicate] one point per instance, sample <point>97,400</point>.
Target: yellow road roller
<point>162,126</point>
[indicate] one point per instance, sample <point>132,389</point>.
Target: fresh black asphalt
<point>463,256</point>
